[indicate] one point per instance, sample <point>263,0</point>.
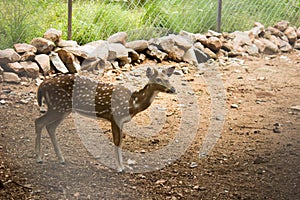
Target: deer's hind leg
<point>51,120</point>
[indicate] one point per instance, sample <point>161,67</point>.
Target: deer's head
<point>161,80</point>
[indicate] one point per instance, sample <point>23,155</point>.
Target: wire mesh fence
<point>141,19</point>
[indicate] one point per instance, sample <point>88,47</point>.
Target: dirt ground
<point>257,155</point>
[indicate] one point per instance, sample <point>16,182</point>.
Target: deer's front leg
<point>117,138</point>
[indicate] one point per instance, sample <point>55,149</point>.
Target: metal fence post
<point>219,17</point>
<point>69,19</point>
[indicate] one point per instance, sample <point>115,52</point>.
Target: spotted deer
<point>68,92</point>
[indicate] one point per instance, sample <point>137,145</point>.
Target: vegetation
<point>22,20</point>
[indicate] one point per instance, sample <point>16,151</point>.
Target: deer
<point>67,93</point>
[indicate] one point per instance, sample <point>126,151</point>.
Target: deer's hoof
<point>39,160</point>
<point>120,170</point>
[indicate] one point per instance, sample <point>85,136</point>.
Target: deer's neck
<point>142,99</point>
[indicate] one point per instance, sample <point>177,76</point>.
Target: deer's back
<point>69,92</point>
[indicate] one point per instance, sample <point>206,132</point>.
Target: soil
<point>256,154</point>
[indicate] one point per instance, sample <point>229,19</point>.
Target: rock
<point>23,47</point>
<point>190,37</point>
<point>201,38</point>
<point>234,106</point>
<point>58,64</point>
<point>282,25</point>
<point>8,56</point>
<point>297,44</point>
<point>270,47</point>
<point>43,61</point>
<point>240,39</point>
<point>93,64</point>
<point>43,45</point>
<point>212,33</point>
<point>296,107</point>
<point>98,49</point>
<point>199,46</point>
<point>214,43</point>
<point>138,45</point>
<point>260,45</point>
<point>252,50</point>
<point>195,56</point>
<point>291,34</point>
<point>79,51</point>
<point>11,77</point>
<point>284,46</point>
<point>174,45</point>
<point>69,60</point>
<point>167,44</point>
<point>210,53</point>
<point>117,51</point>
<point>298,32</point>
<point>181,42</point>
<point>258,29</point>
<point>142,57</point>
<point>133,54</point>
<point>31,69</point>
<point>53,35</point>
<point>66,43</point>
<point>275,31</point>
<point>277,128</point>
<point>227,46</point>
<point>190,57</point>
<point>154,52</point>
<point>193,165</point>
<point>119,37</point>
<point>16,67</point>
<point>28,56</point>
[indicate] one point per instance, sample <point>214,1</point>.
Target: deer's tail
<point>39,94</point>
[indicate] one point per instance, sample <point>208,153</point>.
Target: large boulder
<point>96,49</point>
<point>57,63</point>
<point>23,47</point>
<point>174,45</point>
<point>16,67</point>
<point>119,37</point>
<point>241,38</point>
<point>43,61</point>
<point>270,47</point>
<point>31,69</point>
<point>69,60</point>
<point>282,25</point>
<point>28,56</point>
<point>291,34</point>
<point>43,45</point>
<point>53,35</point>
<point>11,77</point>
<point>66,43</point>
<point>155,53</point>
<point>117,52</point>
<point>214,43</point>
<point>138,45</point>
<point>8,56</point>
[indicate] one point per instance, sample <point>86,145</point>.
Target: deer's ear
<point>169,71</point>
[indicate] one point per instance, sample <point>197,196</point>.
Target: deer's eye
<point>158,80</point>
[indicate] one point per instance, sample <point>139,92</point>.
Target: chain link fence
<point>141,19</point>
<point>151,18</point>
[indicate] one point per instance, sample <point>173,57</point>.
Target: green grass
<point>22,20</point>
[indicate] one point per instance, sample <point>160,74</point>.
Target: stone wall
<point>51,54</point>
